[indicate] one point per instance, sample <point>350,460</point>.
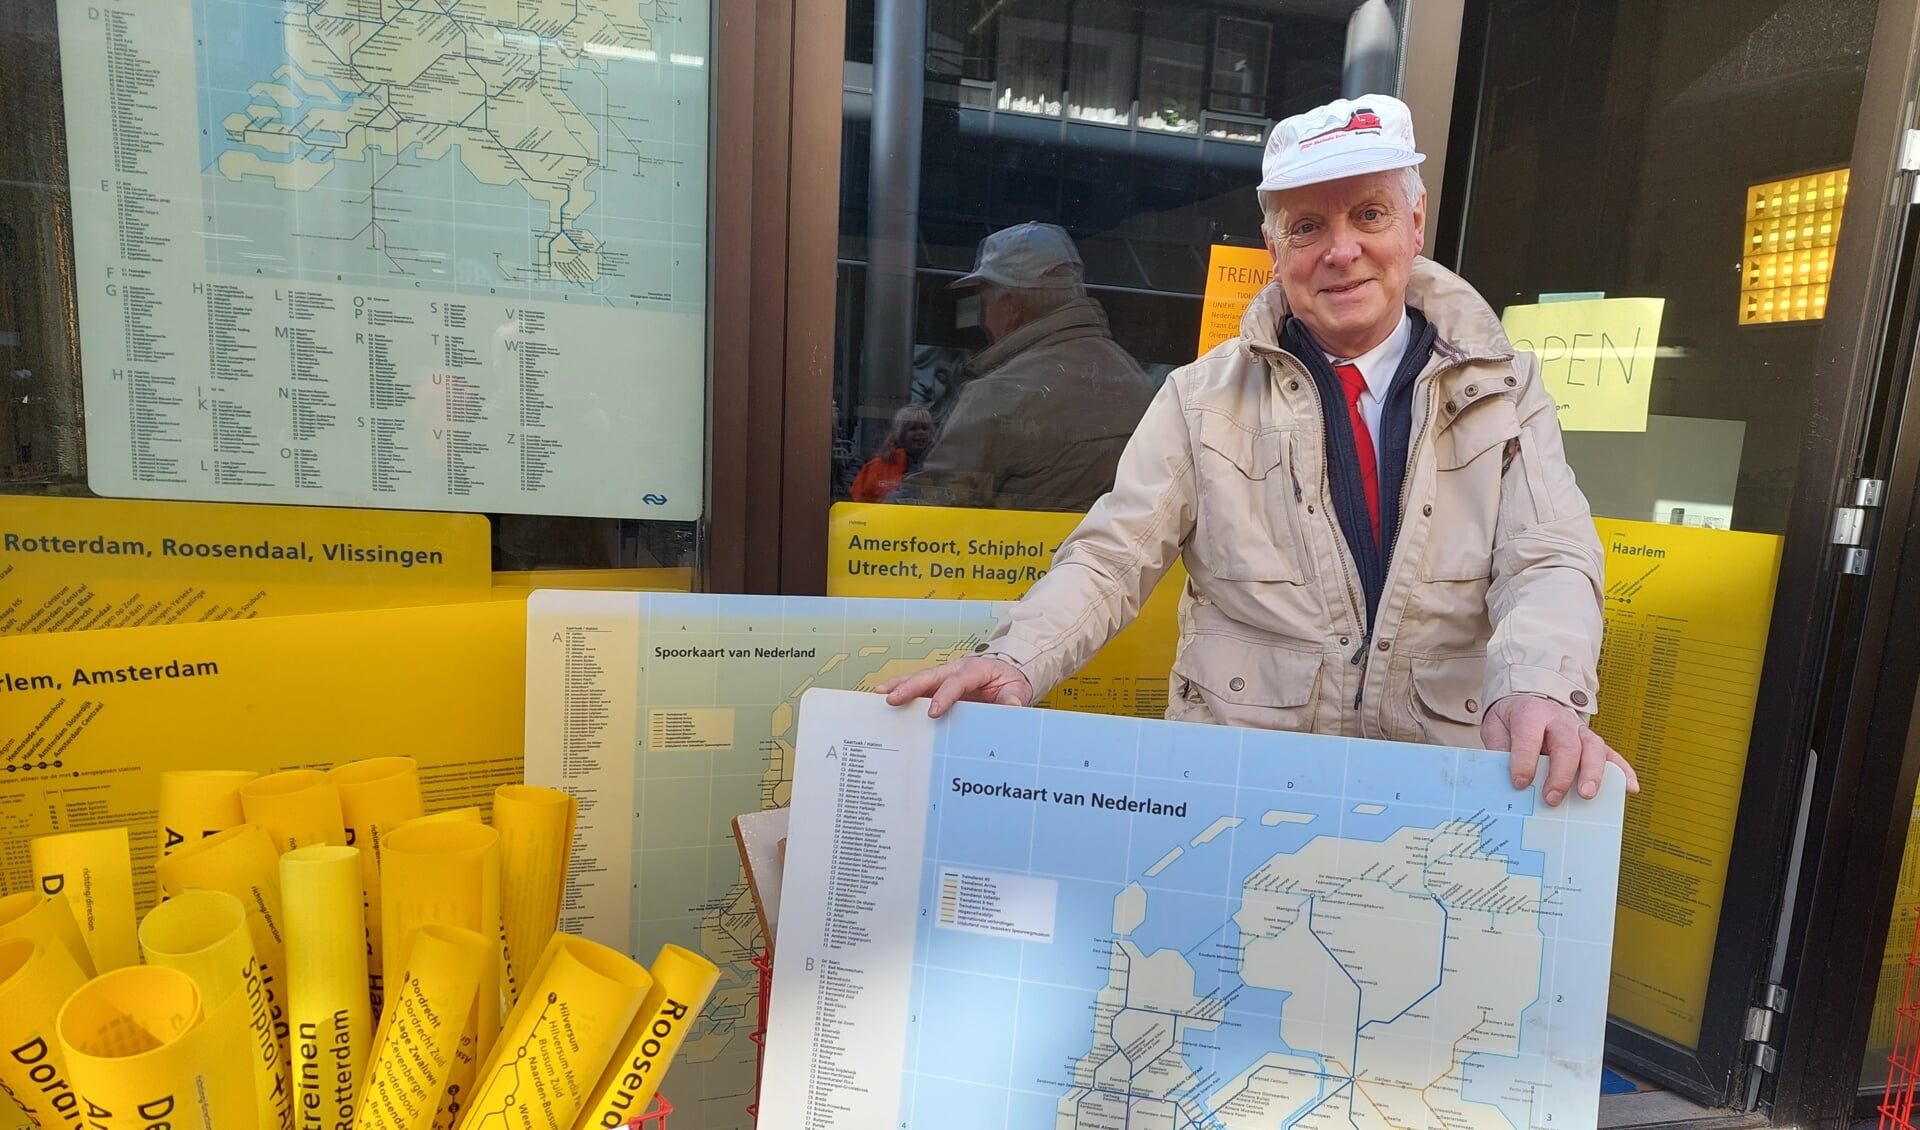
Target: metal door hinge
<point>1850,525</point>
<point>1760,1025</point>
<point>1910,151</point>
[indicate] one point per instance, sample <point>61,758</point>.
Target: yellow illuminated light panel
<point>1792,227</point>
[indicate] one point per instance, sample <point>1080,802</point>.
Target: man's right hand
<point>977,678</point>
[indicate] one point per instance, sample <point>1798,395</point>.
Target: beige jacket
<point>1494,587</point>
<point>1042,422</point>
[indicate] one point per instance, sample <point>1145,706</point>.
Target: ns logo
<point>654,499</point>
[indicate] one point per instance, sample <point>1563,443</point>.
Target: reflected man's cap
<point>1347,137</point>
<point>1030,256</point>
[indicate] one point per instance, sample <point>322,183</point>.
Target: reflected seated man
<point>1046,409</point>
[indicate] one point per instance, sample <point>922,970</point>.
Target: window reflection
<point>1032,57</point>
<point>1105,49</point>
<point>1135,126</point>
<point>1173,57</point>
<point>1240,65</point>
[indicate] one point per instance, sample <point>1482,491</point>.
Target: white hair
<point>1406,180</point>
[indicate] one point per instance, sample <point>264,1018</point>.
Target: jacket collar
<point>1468,328</point>
<point>1082,317</point>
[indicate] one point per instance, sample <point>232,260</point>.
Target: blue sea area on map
<point>1284,793</point>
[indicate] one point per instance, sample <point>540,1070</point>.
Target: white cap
<point>1030,256</point>
<point>1347,137</point>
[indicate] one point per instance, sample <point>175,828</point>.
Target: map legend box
<point>1007,906</point>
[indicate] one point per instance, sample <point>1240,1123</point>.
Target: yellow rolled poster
<point>536,836</point>
<point>447,873</point>
<point>559,1038</point>
<point>35,980</point>
<point>241,861</point>
<point>420,1031</point>
<point>196,803</point>
<point>203,933</point>
<point>94,871</point>
<point>468,815</point>
<point>49,921</point>
<point>297,807</point>
<point>682,982</point>
<point>144,1052</point>
<point>377,795</point>
<point>327,1007</point>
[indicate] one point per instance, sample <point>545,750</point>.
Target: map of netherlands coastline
<point>568,179</point>
<point>1371,926</point>
<point>1123,924</point>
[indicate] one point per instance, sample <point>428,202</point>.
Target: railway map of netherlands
<point>532,147</point>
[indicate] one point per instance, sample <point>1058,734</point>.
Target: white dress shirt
<point>1377,366</point>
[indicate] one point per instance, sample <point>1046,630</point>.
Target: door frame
<point>1870,751</point>
<point>1795,685</point>
<point>774,227</point>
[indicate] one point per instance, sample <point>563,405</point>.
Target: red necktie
<point>1355,384</point>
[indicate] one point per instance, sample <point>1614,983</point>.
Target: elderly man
<point>1049,404</point>
<point>1381,530</point>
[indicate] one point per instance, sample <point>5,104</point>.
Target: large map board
<point>669,714</point>
<point>1036,918</point>
<point>364,252</point>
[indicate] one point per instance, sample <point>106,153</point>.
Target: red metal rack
<point>764,963</point>
<point>1903,1066</point>
<point>655,1118</point>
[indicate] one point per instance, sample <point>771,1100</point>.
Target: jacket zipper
<point>1333,528</point>
<point>1406,484</point>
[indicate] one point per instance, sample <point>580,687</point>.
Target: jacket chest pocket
<point>1251,498</point>
<point>1469,457</point>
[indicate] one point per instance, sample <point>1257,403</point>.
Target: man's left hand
<point>1529,728</point>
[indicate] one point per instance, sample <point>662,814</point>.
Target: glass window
<point>1104,65</point>
<point>1032,56</point>
<point>1240,65</point>
<point>960,51</point>
<point>1663,271</point>
<point>1162,109</point>
<point>242,262</point>
<point>1173,63</point>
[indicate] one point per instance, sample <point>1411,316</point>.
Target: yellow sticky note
<point>536,837</point>
<point>431,1000</point>
<point>94,871</point>
<point>1596,357</point>
<point>68,564</point>
<point>328,1015</point>
<point>35,980</point>
<point>1234,276</point>
<point>1687,613</point>
<point>203,933</point>
<point>682,982</point>
<point>947,553</point>
<point>105,713</point>
<point>144,1051</point>
<point>559,1038</point>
